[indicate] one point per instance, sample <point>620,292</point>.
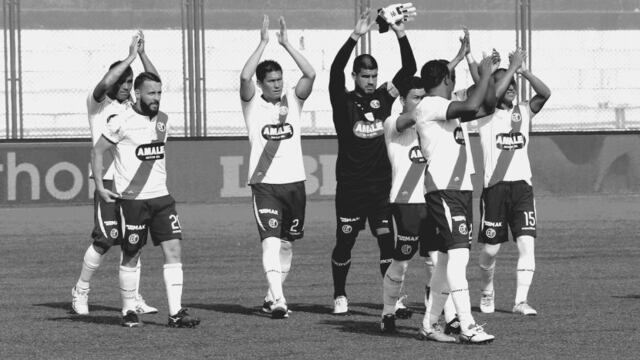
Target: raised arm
<point>462,52</point>
<point>516,59</point>
<point>247,87</point>
<point>406,54</point>
<point>543,93</point>
<point>470,107</point>
<point>146,63</point>
<point>112,76</point>
<point>97,154</point>
<point>305,84</point>
<point>336,75</point>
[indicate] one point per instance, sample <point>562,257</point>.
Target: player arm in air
<point>543,93</point>
<point>146,63</point>
<point>97,154</point>
<point>409,66</point>
<point>112,76</point>
<point>337,80</point>
<point>305,84</point>
<point>516,59</point>
<point>469,108</point>
<point>462,52</point>
<point>247,88</point>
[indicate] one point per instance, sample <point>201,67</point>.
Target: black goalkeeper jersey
<point>358,120</point>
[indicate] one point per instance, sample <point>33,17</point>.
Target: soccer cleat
<point>340,305</point>
<point>525,309</point>
<point>279,310</point>
<point>143,308</point>
<point>402,311</point>
<point>475,335</point>
<point>131,319</point>
<point>388,324</point>
<point>80,301</point>
<point>267,305</point>
<point>435,334</point>
<point>452,327</point>
<point>182,319</point>
<point>487,303</point>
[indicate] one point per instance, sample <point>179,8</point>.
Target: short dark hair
<point>503,70</point>
<point>452,72</point>
<point>127,72</point>
<point>145,76</point>
<point>265,67</point>
<point>364,61</point>
<point>408,84</point>
<point>433,73</point>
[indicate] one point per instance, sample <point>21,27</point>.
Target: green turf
<point>586,290</point>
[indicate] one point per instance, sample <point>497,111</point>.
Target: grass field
<point>586,290</point>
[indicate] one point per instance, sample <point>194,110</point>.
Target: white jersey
<point>407,163</point>
<point>139,154</point>
<point>274,134</point>
<point>445,145</point>
<point>504,136</point>
<point>98,113</point>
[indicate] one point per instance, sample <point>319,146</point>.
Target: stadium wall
<point>215,170</point>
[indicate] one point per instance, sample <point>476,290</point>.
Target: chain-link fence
<point>593,74</point>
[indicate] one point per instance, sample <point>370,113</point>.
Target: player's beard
<point>146,108</point>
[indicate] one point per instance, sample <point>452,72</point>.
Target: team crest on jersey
<point>375,104</point>
<point>160,126</point>
<point>516,117</point>
<point>283,110</point>
<point>273,223</point>
<point>490,233</point>
<point>458,135</point>
<point>346,229</point>
<point>368,130</point>
<point>510,141</point>
<point>277,132</point>
<point>415,155</point>
<point>113,233</point>
<point>133,239</point>
<point>149,152</point>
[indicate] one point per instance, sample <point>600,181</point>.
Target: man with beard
<point>111,96</point>
<point>363,171</point>
<point>137,138</point>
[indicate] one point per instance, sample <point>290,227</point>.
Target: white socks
<point>488,267</point>
<point>272,266</point>
<point>439,290</point>
<point>127,278</point>
<point>286,256</point>
<point>525,268</point>
<point>90,264</point>
<point>173,283</point>
<point>392,285</point>
<point>459,287</point>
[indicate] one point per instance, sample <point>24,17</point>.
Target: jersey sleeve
<point>114,130</point>
<point>93,106</point>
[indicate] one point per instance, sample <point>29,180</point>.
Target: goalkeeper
<point>363,171</point>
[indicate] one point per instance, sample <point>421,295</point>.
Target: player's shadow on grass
<point>230,309</point>
<point>326,309</point>
<point>114,320</point>
<point>476,309</point>
<point>345,324</point>
<point>630,296</point>
<point>67,306</point>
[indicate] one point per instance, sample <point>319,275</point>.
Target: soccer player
<point>111,96</point>
<point>448,190</point>
<point>507,197</point>
<point>276,169</point>
<point>363,172</point>
<point>137,139</point>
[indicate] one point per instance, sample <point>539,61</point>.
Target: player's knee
<point>100,248</point>
<point>172,251</point>
<point>489,251</point>
<point>285,245</point>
